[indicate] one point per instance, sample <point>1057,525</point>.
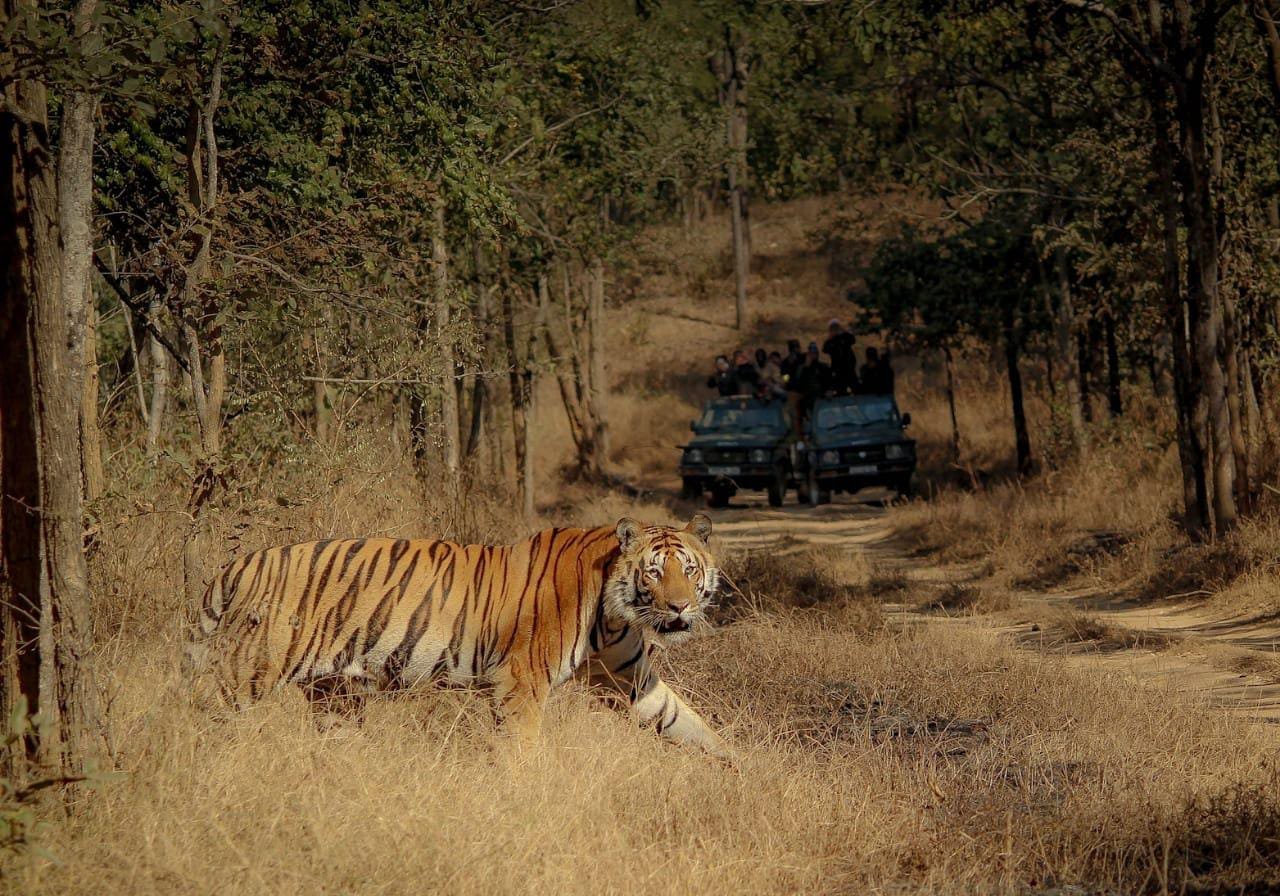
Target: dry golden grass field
<point>947,696</point>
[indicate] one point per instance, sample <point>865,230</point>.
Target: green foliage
<point>928,290</point>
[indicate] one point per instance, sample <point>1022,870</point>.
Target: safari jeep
<point>738,443</point>
<point>856,441</point>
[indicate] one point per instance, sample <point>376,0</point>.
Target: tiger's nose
<point>678,606</point>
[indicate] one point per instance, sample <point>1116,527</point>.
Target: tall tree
<point>45,575</point>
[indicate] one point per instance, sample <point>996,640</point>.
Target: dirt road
<point>1179,645</point>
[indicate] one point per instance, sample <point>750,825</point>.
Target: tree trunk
<point>479,390</point>
<point>201,333</point>
<point>160,373</point>
<point>95,477</point>
<point>43,540</point>
<point>321,391</point>
<point>732,71</point>
<point>598,384</point>
<point>28,263</point>
<point>444,336</point>
<point>75,223</point>
<point>1266,19</point>
<point>1114,404</point>
<point>1084,369</point>
<point>1064,326</point>
<point>522,393</point>
<point>949,364</point>
<point>1186,384</point>
<point>1209,336</point>
<point>1021,437</point>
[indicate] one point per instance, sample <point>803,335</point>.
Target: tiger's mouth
<point>672,626</point>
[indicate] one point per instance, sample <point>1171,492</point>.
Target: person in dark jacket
<point>723,380</point>
<point>793,361</point>
<point>747,375</point>
<point>844,364</point>
<point>877,375</point>
<point>813,380</point>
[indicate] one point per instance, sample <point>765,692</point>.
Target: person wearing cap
<point>839,348</point>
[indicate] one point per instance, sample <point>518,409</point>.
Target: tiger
<point>356,616</point>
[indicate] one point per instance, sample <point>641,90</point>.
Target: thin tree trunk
<point>202,334</point>
<point>321,391</point>
<point>1114,404</point>
<point>522,392</point>
<point>1022,438</point>
<point>949,364</point>
<point>1084,369</point>
<point>1185,381</point>
<point>1064,326</point>
<point>160,373</point>
<point>479,389</point>
<point>448,380</point>
<point>135,361</point>
<point>95,477</point>
<point>598,385</point>
<point>731,69</point>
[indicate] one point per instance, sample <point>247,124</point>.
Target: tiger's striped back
<point>399,611</point>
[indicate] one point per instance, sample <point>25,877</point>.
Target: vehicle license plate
<point>724,471</point>
<point>863,468</point>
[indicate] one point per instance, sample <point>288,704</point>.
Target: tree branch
<point>139,309</point>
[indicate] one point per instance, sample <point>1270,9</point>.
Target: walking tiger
<point>344,616</point>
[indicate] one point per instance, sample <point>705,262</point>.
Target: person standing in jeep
<point>723,380</point>
<point>811,382</point>
<point>877,374</point>
<point>844,364</point>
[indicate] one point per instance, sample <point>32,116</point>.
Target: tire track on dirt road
<point>1179,646</point>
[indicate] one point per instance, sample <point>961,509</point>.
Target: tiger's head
<point>664,579</point>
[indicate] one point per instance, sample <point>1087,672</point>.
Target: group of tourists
<point>802,377</point>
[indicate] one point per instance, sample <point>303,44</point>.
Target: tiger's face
<point>664,579</point>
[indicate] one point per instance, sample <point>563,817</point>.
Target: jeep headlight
<point>896,452</point>
<point>693,456</point>
<point>830,457</point>
<point>759,456</point>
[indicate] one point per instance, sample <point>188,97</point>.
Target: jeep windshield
<point>739,419</point>
<point>871,410</point>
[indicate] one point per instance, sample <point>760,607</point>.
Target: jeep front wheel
<point>817,494</point>
<point>777,487</point>
<point>690,488</point>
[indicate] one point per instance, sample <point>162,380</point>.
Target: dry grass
<point>1071,629</point>
<point>962,599</point>
<point>915,762</point>
<point>1060,524</point>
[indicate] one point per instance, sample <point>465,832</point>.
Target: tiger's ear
<point>700,526</point>
<point>628,530</point>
